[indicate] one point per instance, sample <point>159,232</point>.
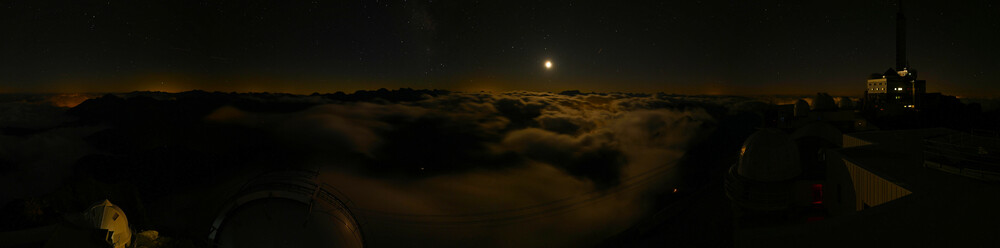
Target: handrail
<point>300,183</point>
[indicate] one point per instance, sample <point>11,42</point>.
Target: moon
<point>548,64</point>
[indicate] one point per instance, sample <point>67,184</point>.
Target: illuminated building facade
<point>896,89</point>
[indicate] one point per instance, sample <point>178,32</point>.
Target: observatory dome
<point>801,108</point>
<point>824,101</point>
<point>845,103</point>
<point>107,216</point>
<point>273,222</point>
<point>769,156</point>
<point>287,209</point>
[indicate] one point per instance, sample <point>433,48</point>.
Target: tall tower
<point>901,62</point>
<point>897,88</point>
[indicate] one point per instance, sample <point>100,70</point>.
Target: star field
<point>698,47</point>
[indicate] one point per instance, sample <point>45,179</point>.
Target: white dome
<point>801,108</point>
<point>287,209</point>
<point>107,216</point>
<point>845,103</point>
<point>769,156</point>
<point>824,101</point>
<point>282,222</point>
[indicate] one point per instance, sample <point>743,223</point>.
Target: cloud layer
<point>576,168</point>
<point>424,168</point>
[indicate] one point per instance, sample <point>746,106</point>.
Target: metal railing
<point>979,149</point>
<point>298,185</point>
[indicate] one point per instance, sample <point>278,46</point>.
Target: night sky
<point>690,47</point>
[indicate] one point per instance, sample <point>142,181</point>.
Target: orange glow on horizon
<point>68,100</point>
<point>462,83</point>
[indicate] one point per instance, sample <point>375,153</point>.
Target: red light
<point>817,192</point>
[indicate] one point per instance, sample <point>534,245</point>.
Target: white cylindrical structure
<point>107,216</point>
<point>287,209</point>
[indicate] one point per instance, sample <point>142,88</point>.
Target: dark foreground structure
<point>907,168</point>
<point>286,209</point>
<point>921,187</point>
<point>886,174</point>
<point>276,209</point>
<point>102,225</point>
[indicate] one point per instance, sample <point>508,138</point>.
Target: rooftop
<point>944,209</point>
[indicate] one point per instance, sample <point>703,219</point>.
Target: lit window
<point>897,97</point>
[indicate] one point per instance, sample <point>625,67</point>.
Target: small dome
<point>823,102</point>
<point>801,108</point>
<point>821,130</point>
<point>845,103</point>
<point>274,222</point>
<point>769,156</point>
<point>107,216</point>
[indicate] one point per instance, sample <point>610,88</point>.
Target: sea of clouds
<point>421,168</point>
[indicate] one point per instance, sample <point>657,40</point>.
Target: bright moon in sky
<point>548,64</point>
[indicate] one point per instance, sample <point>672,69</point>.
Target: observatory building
<point>918,187</point>
<point>110,220</point>
<point>102,225</point>
<point>286,209</point>
<point>896,89</point>
<point>776,183</point>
